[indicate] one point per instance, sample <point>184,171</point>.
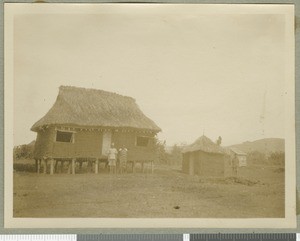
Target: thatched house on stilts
<point>82,124</point>
<point>206,159</point>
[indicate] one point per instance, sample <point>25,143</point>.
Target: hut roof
<point>204,144</point>
<point>91,107</point>
<point>238,151</point>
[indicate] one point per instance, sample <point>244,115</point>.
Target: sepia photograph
<point>149,115</point>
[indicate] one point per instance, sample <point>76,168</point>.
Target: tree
<point>256,158</point>
<point>219,141</point>
<point>277,158</point>
<point>162,155</point>
<point>23,151</point>
<point>176,155</point>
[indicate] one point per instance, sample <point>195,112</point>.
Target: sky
<point>221,75</point>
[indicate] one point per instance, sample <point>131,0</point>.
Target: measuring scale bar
<point>154,237</point>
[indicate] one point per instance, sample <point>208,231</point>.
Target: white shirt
<point>112,153</point>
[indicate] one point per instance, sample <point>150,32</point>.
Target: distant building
<point>207,159</point>
<point>241,156</point>
<point>82,124</point>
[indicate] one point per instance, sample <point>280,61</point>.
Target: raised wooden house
<point>82,124</point>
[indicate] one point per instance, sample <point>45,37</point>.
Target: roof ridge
<point>205,144</point>
<point>69,87</point>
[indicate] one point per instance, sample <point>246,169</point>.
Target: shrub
<point>23,152</point>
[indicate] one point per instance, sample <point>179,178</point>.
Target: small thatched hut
<point>206,159</point>
<point>82,124</point>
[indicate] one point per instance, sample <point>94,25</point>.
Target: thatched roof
<point>95,108</point>
<point>204,144</point>
<point>238,151</point>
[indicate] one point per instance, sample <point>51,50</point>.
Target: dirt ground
<point>259,192</point>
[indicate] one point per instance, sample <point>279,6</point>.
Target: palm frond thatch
<point>204,144</point>
<point>97,108</point>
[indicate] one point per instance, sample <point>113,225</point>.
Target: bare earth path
<point>166,193</point>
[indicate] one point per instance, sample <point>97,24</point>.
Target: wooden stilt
<point>51,167</point>
<point>45,166</point>
<point>89,166</point>
<point>96,166</point>
<point>69,167</point>
<point>55,167</point>
<point>143,170</point>
<point>61,166</point>
<point>73,165</point>
<point>38,166</point>
<point>152,166</point>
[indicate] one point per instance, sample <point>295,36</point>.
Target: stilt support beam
<point>38,165</point>
<point>96,166</point>
<point>70,167</point>
<point>45,166</point>
<point>152,166</point>
<point>143,170</point>
<point>73,166</point>
<point>51,167</point>
<point>61,166</point>
<point>55,167</point>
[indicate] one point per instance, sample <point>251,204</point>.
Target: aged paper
<point>149,116</point>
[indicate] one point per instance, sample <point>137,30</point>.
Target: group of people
<point>117,159</point>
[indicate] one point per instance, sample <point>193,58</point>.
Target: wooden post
<point>38,166</point>
<point>55,167</point>
<point>142,163</point>
<point>89,166</point>
<point>45,166</point>
<point>69,167</point>
<point>51,167</point>
<point>80,166</point>
<point>152,166</point>
<point>96,166</point>
<point>61,166</point>
<point>73,165</point>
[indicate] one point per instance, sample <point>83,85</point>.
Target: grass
<point>257,192</point>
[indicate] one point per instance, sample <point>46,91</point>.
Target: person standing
<point>235,165</point>
<point>123,159</point>
<point>112,158</point>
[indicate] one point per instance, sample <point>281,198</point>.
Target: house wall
<point>89,144</point>
<point>44,143</point>
<point>209,164</point>
<point>203,164</point>
<point>86,144</point>
<point>228,166</point>
<point>136,153</point>
<point>242,160</point>
<point>185,162</point>
<point>193,163</point>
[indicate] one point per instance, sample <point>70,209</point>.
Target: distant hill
<point>263,145</point>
